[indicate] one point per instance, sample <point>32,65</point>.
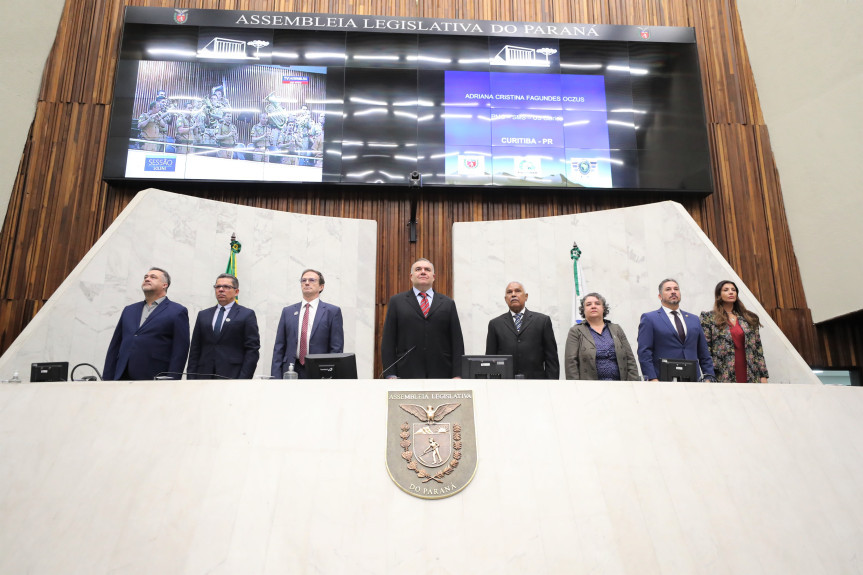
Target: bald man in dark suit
<point>422,331</point>
<point>152,336</point>
<point>525,335</point>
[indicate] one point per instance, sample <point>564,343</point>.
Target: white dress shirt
<point>429,294</point>
<point>224,317</point>
<point>671,319</point>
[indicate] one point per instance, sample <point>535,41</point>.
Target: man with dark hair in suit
<point>422,331</point>
<point>310,326</point>
<point>225,341</point>
<point>152,336</point>
<point>525,335</point>
<point>671,333</point>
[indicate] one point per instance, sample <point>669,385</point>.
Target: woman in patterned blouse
<point>732,336</point>
<point>597,349</point>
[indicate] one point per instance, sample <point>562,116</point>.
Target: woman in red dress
<point>733,338</point>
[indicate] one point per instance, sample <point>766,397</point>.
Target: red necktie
<point>304,332</point>
<point>424,304</point>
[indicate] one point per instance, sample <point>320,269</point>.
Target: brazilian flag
<point>232,260</point>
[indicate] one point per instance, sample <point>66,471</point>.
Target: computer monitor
<point>678,370</point>
<point>49,371</point>
<point>331,366</point>
<point>486,366</point>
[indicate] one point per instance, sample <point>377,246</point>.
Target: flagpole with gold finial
<point>575,255</point>
<point>232,259</point>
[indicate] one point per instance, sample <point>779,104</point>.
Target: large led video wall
<point>263,97</point>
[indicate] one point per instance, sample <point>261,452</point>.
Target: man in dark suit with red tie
<point>526,335</point>
<point>152,336</point>
<point>422,331</point>
<point>671,333</point>
<point>225,342</point>
<point>310,326</point>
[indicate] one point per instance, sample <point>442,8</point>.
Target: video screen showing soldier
<point>207,121</point>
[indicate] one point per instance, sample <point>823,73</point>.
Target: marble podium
<point>266,476</point>
<point>573,477</point>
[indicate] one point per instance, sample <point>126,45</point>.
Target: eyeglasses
<point>309,281</point>
<point>222,286</point>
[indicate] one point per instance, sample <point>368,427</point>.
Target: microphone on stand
<point>404,355</point>
<point>165,375</point>
<point>87,377</point>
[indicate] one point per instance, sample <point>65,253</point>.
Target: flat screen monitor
<point>678,370</point>
<point>49,371</point>
<point>331,366</point>
<point>486,366</point>
<point>236,95</point>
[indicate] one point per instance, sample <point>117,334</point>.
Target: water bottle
<point>291,374</point>
<point>15,378</point>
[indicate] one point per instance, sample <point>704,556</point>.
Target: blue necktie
<point>218,327</point>
<point>518,322</point>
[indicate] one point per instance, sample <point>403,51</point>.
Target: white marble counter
<point>573,477</point>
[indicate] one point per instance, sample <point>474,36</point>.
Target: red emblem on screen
<point>645,33</point>
<point>470,163</point>
<point>180,16</point>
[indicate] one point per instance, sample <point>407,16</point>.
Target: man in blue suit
<point>152,336</point>
<point>310,326</point>
<point>671,333</point>
<point>225,342</point>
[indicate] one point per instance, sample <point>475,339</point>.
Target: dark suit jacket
<point>437,339</point>
<point>657,339</point>
<point>161,344</point>
<point>328,335</point>
<point>533,350</point>
<point>233,353</point>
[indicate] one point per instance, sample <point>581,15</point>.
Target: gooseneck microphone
<point>393,364</point>
<point>165,375</point>
<point>88,377</point>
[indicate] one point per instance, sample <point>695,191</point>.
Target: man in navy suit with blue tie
<point>152,337</point>
<point>310,326</point>
<point>671,333</point>
<point>225,342</point>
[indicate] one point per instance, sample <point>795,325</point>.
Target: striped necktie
<point>304,337</point>
<point>681,335</point>
<point>424,304</point>
<point>518,322</point>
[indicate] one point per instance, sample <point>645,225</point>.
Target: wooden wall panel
<point>841,341</point>
<point>59,206</point>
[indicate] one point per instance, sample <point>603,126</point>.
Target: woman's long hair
<point>719,315</point>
